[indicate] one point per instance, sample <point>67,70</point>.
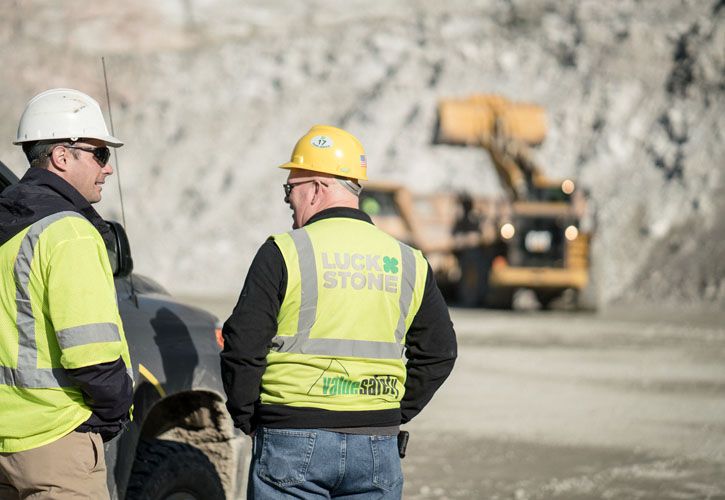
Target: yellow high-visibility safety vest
<point>57,311</point>
<point>352,293</point>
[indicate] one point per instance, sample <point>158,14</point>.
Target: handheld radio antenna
<point>115,150</point>
<point>118,168</point>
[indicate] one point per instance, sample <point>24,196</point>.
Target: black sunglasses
<point>288,187</point>
<point>102,154</point>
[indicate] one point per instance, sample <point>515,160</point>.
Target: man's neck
<point>338,203</point>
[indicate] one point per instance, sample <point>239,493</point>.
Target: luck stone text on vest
<point>360,271</point>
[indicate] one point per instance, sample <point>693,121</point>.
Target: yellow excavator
<point>482,250</point>
<point>542,243</point>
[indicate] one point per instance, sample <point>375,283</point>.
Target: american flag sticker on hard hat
<point>363,161</point>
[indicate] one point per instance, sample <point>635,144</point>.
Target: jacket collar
<point>41,193</point>
<point>349,213</point>
<point>42,177</point>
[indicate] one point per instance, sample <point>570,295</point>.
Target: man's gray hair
<point>350,185</point>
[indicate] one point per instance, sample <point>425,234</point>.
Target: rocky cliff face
<point>211,95</point>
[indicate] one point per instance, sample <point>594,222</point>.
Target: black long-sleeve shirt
<point>430,350</point>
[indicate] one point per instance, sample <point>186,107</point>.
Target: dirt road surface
<point>623,404</point>
<point>620,405</point>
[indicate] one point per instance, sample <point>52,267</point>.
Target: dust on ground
<point>460,466</point>
<point>622,404</point>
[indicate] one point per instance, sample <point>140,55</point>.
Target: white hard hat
<point>63,114</point>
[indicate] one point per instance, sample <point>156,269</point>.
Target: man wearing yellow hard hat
<point>313,361</point>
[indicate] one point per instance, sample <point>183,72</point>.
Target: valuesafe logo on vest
<point>377,385</point>
<point>333,383</point>
<point>359,271</point>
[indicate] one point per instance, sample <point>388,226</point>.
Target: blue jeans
<point>312,464</point>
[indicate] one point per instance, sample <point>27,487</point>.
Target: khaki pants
<point>73,467</point>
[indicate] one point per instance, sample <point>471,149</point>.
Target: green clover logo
<point>390,265</point>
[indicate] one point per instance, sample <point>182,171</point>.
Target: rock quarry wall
<point>210,95</point>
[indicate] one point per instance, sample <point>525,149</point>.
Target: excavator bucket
<point>480,117</point>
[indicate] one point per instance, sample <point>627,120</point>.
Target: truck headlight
<point>571,233</point>
<point>507,231</point>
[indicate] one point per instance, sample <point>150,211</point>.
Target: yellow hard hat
<point>330,150</point>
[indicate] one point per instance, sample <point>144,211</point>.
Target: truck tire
<point>473,283</point>
<point>546,298</point>
<point>169,470</point>
<point>500,298</point>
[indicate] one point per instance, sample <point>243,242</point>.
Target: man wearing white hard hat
<point>65,378</point>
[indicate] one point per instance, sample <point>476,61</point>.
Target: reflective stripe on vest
<point>27,374</point>
<point>88,334</point>
<point>300,343</point>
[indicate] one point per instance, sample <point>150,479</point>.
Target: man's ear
<point>59,158</point>
<point>318,195</point>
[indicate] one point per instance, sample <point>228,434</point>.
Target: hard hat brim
<point>111,141</point>
<point>289,165</point>
<point>114,142</point>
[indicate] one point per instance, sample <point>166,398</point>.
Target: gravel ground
<point>473,467</point>
<point>625,404</point>
<point>622,404</point>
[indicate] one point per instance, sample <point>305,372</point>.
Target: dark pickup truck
<point>181,444</point>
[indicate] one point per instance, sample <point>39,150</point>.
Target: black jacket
<point>107,388</point>
<point>430,350</point>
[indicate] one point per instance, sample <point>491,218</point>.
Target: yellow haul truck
<point>542,243</point>
<point>483,250</point>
